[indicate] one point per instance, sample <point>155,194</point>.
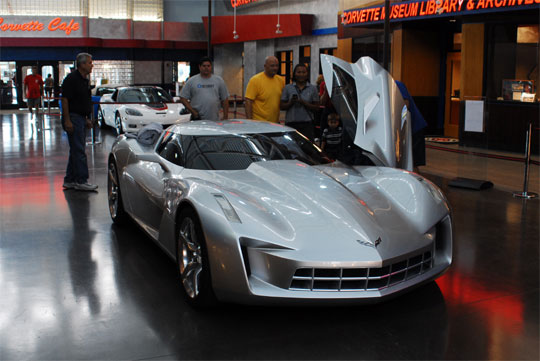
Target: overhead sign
<point>241,4</point>
<point>413,10</point>
<point>40,26</point>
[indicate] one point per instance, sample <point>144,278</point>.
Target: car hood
<point>156,107</point>
<point>296,206</point>
<point>372,111</point>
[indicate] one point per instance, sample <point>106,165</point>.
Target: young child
<point>331,137</point>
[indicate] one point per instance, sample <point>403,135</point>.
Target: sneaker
<point>85,187</point>
<point>68,185</point>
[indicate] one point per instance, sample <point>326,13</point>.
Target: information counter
<point>505,126</point>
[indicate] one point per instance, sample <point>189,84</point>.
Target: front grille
<point>360,279</point>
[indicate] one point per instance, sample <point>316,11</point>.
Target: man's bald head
<point>271,66</point>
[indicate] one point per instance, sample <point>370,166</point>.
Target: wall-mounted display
<point>518,90</point>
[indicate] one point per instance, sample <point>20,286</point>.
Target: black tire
<point>116,205</point>
<point>100,119</point>
<point>118,124</point>
<point>192,261</point>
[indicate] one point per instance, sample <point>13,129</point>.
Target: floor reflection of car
<point>131,108</point>
<point>253,212</point>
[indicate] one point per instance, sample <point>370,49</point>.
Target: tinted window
<point>103,91</point>
<point>171,149</point>
<point>233,152</point>
<point>144,95</point>
<point>345,100</point>
<point>162,95</point>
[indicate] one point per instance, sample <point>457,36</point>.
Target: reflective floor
<point>73,286</point>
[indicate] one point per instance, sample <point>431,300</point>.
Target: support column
<point>472,60</point>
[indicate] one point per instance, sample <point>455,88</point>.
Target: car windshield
<point>103,91</point>
<point>234,152</point>
<point>144,95</point>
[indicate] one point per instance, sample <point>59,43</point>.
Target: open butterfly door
<point>371,108</point>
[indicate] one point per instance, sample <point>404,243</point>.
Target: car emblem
<point>369,244</point>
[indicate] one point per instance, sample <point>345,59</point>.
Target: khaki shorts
<point>33,102</point>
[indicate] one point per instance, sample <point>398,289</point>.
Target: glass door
<point>8,91</point>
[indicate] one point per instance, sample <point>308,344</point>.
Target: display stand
<point>525,194</point>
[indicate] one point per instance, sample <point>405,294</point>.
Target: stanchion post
<point>42,108</point>
<point>234,102</point>
<point>525,194</point>
<point>94,141</point>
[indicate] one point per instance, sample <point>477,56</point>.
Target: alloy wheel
<point>113,190</point>
<point>100,120</point>
<point>118,124</point>
<point>190,257</point>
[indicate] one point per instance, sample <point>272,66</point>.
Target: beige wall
<point>344,49</point>
<point>230,69</point>
<point>472,60</point>
<point>353,4</point>
<point>416,61</point>
<point>147,72</point>
<point>397,51</point>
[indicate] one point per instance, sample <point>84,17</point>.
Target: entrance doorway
<point>8,90</point>
<point>452,98</point>
<point>24,68</point>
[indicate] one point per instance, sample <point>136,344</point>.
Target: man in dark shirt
<point>76,108</point>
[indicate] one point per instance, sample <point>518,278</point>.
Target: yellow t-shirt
<point>265,93</point>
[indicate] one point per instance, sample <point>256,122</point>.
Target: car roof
<point>111,85</point>
<point>233,126</point>
<point>106,86</point>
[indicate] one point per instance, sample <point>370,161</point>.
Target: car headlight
<point>227,208</point>
<point>134,112</point>
<point>435,191</point>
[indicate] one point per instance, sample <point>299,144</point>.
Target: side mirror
<point>176,99</point>
<point>154,158</point>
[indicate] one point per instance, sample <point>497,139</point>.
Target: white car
<point>97,93</point>
<point>133,107</point>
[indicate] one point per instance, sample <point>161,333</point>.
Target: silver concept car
<point>253,212</point>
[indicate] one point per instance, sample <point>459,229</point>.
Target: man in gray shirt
<point>203,93</point>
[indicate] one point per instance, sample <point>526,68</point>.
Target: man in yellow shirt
<point>263,92</point>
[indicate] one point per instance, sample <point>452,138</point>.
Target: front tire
<point>192,261</point>
<point>100,119</point>
<point>118,124</point>
<point>116,206</point>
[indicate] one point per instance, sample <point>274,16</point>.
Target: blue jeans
<point>77,167</point>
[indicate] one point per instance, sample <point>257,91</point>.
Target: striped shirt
<point>332,137</point>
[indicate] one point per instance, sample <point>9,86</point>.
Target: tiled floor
<point>73,286</point>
